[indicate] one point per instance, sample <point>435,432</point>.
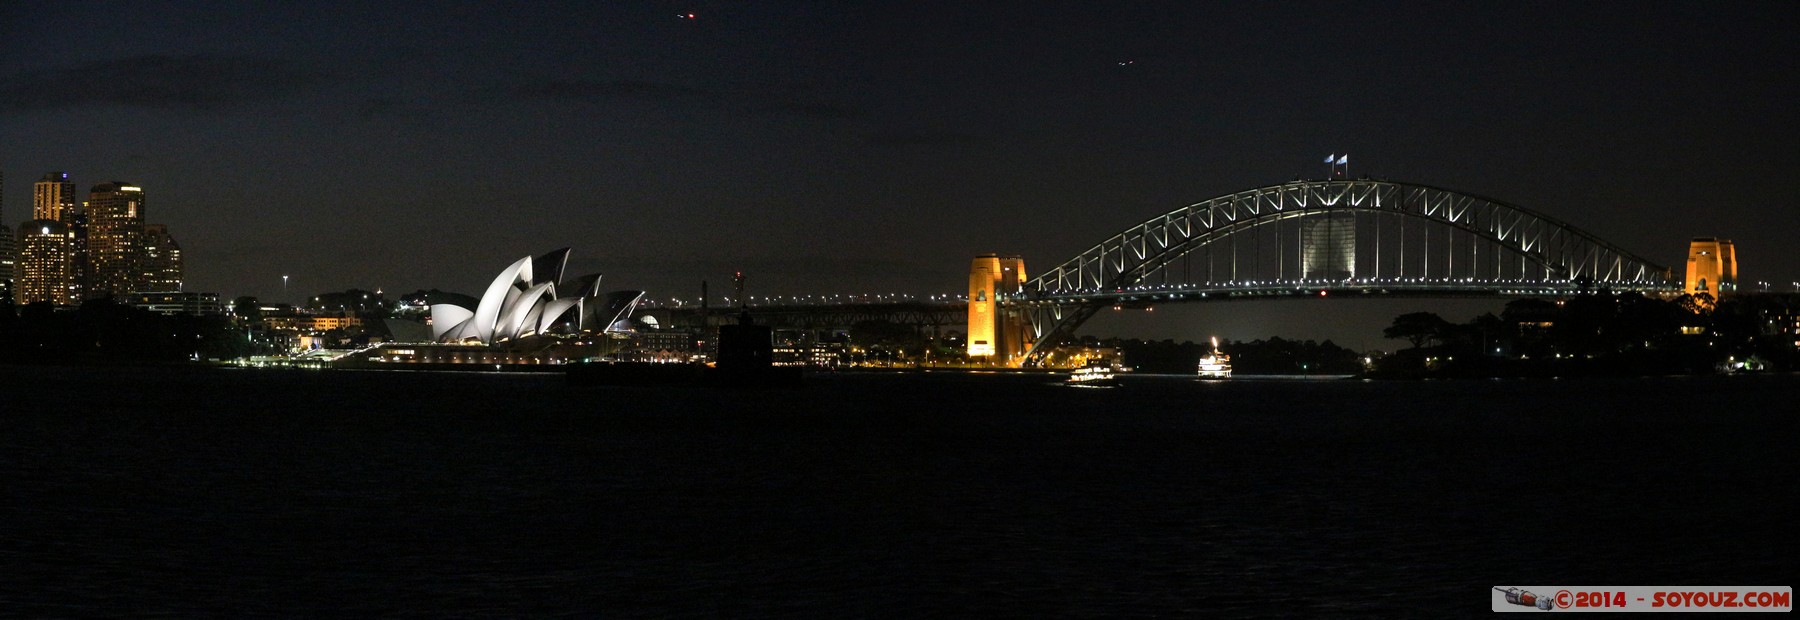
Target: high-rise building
<point>53,198</point>
<point>115,240</point>
<point>78,258</point>
<point>44,266</point>
<point>996,332</point>
<point>162,260</point>
<point>8,274</point>
<point>7,253</point>
<point>1711,267</point>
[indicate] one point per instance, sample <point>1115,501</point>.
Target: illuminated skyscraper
<point>996,332</point>
<point>8,274</point>
<point>1711,267</point>
<point>44,266</point>
<point>115,240</point>
<point>78,257</point>
<point>6,252</point>
<point>162,260</point>
<point>53,198</point>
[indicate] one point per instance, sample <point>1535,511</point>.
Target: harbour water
<point>190,492</point>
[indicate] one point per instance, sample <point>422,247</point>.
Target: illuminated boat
<point>1215,365</point>
<point>1095,373</point>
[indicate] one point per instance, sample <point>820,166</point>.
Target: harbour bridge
<point>1355,237</point>
<point>1318,238</point>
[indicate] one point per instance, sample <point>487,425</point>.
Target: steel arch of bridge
<point>1526,252</point>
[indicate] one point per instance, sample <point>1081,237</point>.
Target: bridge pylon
<point>1711,267</point>
<point>999,333</point>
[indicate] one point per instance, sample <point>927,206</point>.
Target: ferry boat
<point>1215,365</point>
<point>1095,373</point>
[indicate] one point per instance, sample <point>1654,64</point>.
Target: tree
<point>366,304</point>
<point>1530,310</point>
<point>1697,303</point>
<point>1582,328</point>
<point>247,309</point>
<point>1484,333</point>
<point>1417,327</point>
<point>887,336</point>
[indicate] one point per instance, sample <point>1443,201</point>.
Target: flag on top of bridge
<point>1343,159</point>
<point>1332,158</point>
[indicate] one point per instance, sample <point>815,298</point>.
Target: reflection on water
<point>186,492</point>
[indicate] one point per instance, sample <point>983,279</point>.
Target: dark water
<point>182,493</point>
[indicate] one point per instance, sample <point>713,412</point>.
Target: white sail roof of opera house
<point>528,298</point>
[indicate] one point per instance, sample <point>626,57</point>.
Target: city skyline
<point>873,149</point>
<point>70,250</point>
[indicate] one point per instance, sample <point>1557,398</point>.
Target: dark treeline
<point>368,304</point>
<point>1625,333</point>
<point>101,330</point>
<point>1275,356</point>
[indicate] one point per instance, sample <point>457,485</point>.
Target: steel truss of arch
<point>1541,255</point>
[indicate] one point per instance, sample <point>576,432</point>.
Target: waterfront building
<point>521,321</point>
<point>44,266</point>
<point>1711,267</point>
<point>997,333</point>
<point>805,348</point>
<point>115,240</point>
<point>1786,321</point>
<point>177,302</point>
<point>543,353</point>
<point>665,345</point>
<point>310,323</point>
<point>523,303</point>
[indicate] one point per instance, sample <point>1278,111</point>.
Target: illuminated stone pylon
<point>1711,267</point>
<point>998,334</point>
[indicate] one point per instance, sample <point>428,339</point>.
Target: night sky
<point>837,147</point>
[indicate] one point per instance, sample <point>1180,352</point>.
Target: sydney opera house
<point>527,316</point>
<point>523,302</point>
